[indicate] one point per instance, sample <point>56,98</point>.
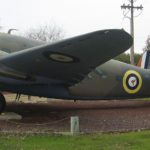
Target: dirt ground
<point>46,116</point>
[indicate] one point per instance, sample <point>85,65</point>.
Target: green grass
<point>124,141</point>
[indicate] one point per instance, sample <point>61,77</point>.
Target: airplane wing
<point>69,60</point>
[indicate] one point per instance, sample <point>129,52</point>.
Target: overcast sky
<point>75,16</point>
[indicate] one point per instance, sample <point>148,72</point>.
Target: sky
<point>75,17</point>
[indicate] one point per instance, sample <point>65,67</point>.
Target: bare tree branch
<point>47,33</point>
<point>147,47</point>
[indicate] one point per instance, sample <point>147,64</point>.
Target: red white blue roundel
<point>132,81</point>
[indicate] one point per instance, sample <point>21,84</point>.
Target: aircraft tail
<point>144,61</point>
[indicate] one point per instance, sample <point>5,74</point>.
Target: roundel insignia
<point>60,57</point>
<point>132,82</point>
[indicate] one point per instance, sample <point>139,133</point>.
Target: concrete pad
<point>10,116</point>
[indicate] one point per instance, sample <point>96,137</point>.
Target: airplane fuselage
<point>105,82</point>
<point>114,80</point>
<point>111,80</point>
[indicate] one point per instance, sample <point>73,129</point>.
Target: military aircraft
<point>78,68</point>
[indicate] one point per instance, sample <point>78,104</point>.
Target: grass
<point>126,141</point>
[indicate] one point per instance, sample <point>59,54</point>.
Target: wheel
<point>2,103</point>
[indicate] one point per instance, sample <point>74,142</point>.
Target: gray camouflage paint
<point>104,82</point>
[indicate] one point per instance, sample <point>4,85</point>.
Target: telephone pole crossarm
<point>131,7</point>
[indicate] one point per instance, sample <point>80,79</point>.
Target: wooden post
<point>74,125</point>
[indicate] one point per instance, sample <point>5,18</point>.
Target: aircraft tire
<point>2,103</point>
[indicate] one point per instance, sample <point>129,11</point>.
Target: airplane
<point>77,68</point>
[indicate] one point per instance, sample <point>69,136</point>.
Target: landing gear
<point>2,103</point>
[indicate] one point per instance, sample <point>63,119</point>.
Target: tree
<point>46,33</point>
<point>126,57</point>
<point>147,47</point>
<point>0,25</point>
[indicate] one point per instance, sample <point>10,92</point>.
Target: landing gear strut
<point>2,103</point>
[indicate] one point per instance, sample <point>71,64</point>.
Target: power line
<point>131,7</point>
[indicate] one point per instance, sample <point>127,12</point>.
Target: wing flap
<point>71,59</point>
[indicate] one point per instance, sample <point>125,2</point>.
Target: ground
<point>46,116</point>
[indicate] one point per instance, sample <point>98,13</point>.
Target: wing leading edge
<point>69,60</point>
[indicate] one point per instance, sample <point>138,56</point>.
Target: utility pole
<point>131,7</point>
